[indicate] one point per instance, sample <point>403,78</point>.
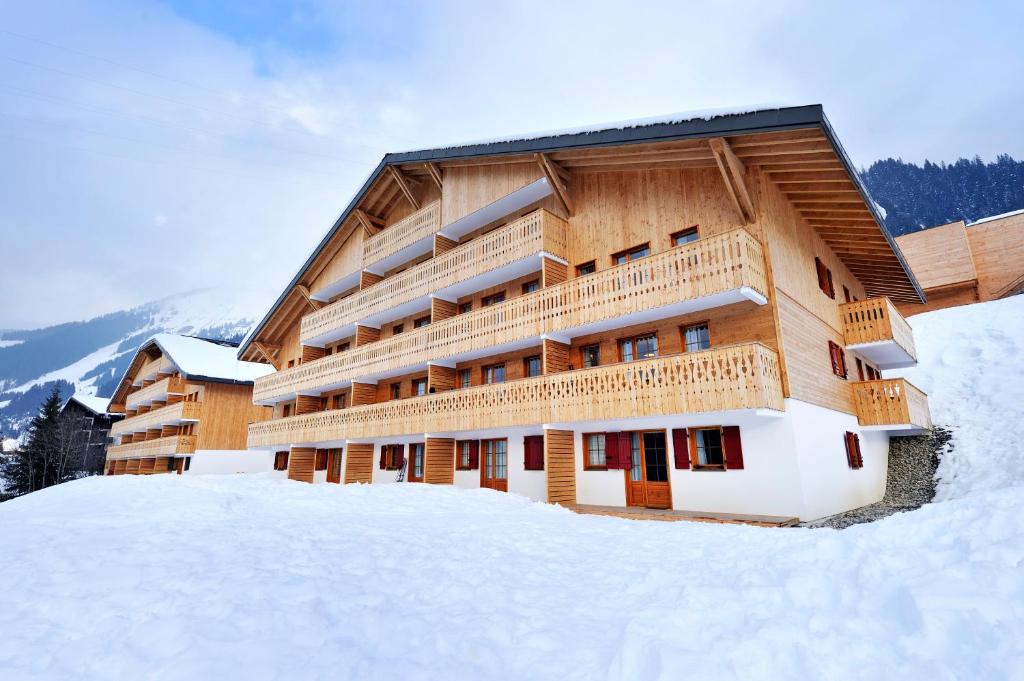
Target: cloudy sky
<point>154,147</point>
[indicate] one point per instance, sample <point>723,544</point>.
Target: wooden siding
<point>736,377</point>
<point>874,320</point>
<point>300,464</point>
<point>560,466</point>
<point>555,356</point>
<point>891,401</point>
<point>160,464</point>
<point>227,411</point>
<point>940,256</point>
<point>359,462</point>
<point>146,466</point>
<point>442,309</point>
<point>439,461</point>
<point>132,467</point>
<point>470,188</point>
<point>421,224</point>
<point>536,232</point>
<point>440,378</point>
<point>156,391</point>
<point>722,263</point>
<point>164,446</point>
<point>553,272</point>
<point>172,413</point>
<point>998,248</point>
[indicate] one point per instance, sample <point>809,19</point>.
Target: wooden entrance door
<point>647,481</point>
<point>414,472</point>
<point>494,464</point>
<point>334,465</point>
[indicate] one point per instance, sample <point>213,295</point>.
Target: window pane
<point>635,474</point>
<point>500,459</point>
<point>684,237</point>
<point>647,347</point>
<point>533,366</point>
<point>595,450</point>
<point>655,457</point>
<point>465,378</point>
<point>697,338</point>
<point>641,252</point>
<point>626,347</point>
<point>499,373</point>
<point>464,454</point>
<point>709,447</point>
<point>591,355</point>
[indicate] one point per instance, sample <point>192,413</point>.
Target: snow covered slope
<point>972,367</point>
<point>88,357</point>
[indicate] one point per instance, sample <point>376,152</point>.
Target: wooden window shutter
<point>474,454</point>
<point>733,447</point>
<point>383,457</point>
<point>681,447</point>
<point>625,451</point>
<point>611,451</point>
<point>533,452</point>
<point>819,268</point>
<point>831,288</point>
<point>838,357</point>
<point>856,448</point>
<point>399,456</point>
<point>853,456</point>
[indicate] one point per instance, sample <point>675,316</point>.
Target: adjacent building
<point>691,313</point>
<point>91,422</point>
<point>962,263</point>
<point>187,404</point>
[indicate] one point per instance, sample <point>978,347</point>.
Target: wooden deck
<point>692,516</point>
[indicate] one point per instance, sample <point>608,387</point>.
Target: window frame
<point>459,466</point>
<point>420,322</point>
<point>591,264</point>
<point>629,254</point>
<point>280,461</point>
<point>422,381</point>
<point>393,389</point>
<point>633,340</point>
<point>390,451</point>
<point>464,374</point>
<point>587,466</point>
<point>686,327</point>
<point>320,460</point>
<point>837,357</point>
<point>583,355</point>
<point>525,288</point>
<point>466,308</point>
<point>397,329</point>
<point>695,229</point>
<point>691,436</point>
<point>526,366</point>
<point>491,367</point>
<point>488,301</point>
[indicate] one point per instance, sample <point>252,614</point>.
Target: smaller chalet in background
<point>187,404</point>
<point>91,413</point>
<point>962,263</point>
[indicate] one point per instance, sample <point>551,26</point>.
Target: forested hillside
<point>916,197</point>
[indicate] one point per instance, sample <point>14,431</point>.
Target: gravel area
<point>910,483</point>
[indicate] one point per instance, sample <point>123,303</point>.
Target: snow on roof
<point>209,359</point>
<point>97,405</point>
<point>664,119</point>
<point>996,217</point>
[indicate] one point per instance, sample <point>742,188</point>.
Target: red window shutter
<point>733,447</point>
<point>533,452</point>
<point>474,454</point>
<point>838,357</point>
<point>842,362</point>
<point>848,441</point>
<point>611,451</point>
<point>625,451</point>
<point>819,268</point>
<point>681,447</point>
<point>399,456</point>
<point>853,455</point>
<point>856,445</point>
<point>383,457</point>
<point>831,288</point>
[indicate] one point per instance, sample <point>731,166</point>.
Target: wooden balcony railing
<point>423,223</point>
<point>891,402</point>
<point>171,413</point>
<point>720,263</point>
<point>735,377</point>
<point>160,365</point>
<point>162,446</point>
<point>875,320</point>
<point>171,385</point>
<point>539,231</point>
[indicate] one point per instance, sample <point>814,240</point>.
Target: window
<point>586,268</point>
<point>466,307</point>
<point>421,322</point>
<point>846,294</point>
<point>343,347</point>
<point>707,445</point>
<point>494,299</point>
<point>853,456</point>
<point>531,366</point>
<point>590,356</point>
<point>838,358</point>
<point>397,329</point>
<point>286,410</point>
<point>416,462</point>
<point>495,459</point>
<point>321,460</point>
<point>860,369</point>
<point>392,457</point>
<point>465,378</point>
<point>338,401</point>
<point>685,236</point>
<point>533,453</point>
<point>188,462</point>
<point>467,454</point>
<point>328,351</point>
<point>531,286</point>
<point>696,337</point>
<point>825,279</point>
<point>419,386</point>
<point>291,363</point>
<point>641,347</point>
<point>396,391</point>
<point>632,254</point>
<point>873,373</point>
<point>594,452</point>
<point>495,373</point>
<point>170,463</point>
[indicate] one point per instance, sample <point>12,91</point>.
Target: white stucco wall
<point>225,461</point>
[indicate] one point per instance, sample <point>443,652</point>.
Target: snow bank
<point>970,364</point>
<point>255,577</point>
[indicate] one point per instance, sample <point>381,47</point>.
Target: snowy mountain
<point>88,357</point>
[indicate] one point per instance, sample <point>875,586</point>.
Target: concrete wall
<point>229,461</point>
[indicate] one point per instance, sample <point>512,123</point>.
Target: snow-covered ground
<point>255,577</point>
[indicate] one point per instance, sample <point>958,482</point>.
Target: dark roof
<point>766,120</point>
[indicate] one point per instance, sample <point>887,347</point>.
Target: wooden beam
<point>551,171</point>
<point>268,353</point>
<point>435,174</point>
<point>304,292</point>
<point>403,184</point>
<point>371,225</point>
<point>732,173</point>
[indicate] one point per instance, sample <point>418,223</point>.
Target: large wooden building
<point>962,263</point>
<point>187,403</point>
<point>687,314</point>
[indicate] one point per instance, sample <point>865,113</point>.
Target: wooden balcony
<point>716,271</point>
<point>743,376</point>
<point>171,385</point>
<point>162,446</point>
<point>167,415</point>
<point>418,228</point>
<point>153,368</point>
<point>891,404</point>
<point>531,235</point>
<point>876,330</point>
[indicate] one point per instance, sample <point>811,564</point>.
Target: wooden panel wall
<point>511,289</point>
<point>366,334</point>
<point>306,404</point>
<point>555,356</point>
<point>311,353</point>
<point>146,466</point>
<point>439,461</point>
<point>359,463</point>
<point>469,188</point>
<point>442,309</point>
<point>227,411</point>
<point>300,464</point>
<point>160,464</point>
<point>809,367</point>
<point>998,248</point>
<point>560,466</point>
<point>440,378</point>
<point>553,272</point>
<point>443,244</point>
<point>368,279</point>
<point>348,259</point>
<point>364,393</point>
<point>940,256</point>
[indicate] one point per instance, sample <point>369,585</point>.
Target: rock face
<point>910,483</point>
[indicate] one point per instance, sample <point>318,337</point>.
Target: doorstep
<point>634,513</point>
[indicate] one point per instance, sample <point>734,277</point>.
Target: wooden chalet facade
<point>187,403</point>
<point>690,315</point>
